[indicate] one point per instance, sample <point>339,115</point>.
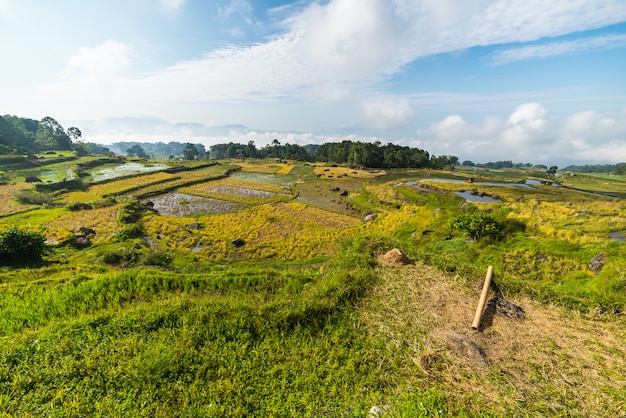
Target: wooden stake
<point>483,299</point>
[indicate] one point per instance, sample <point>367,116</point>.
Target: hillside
<point>256,287</point>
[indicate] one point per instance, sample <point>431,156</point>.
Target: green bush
<point>17,245</point>
<point>477,225</point>
<point>131,212</point>
<point>32,197</point>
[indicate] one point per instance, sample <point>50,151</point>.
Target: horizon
<point>484,81</point>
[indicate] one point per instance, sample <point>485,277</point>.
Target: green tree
<point>51,135</point>
<point>17,245</point>
<point>137,151</point>
<point>190,152</point>
<point>74,133</point>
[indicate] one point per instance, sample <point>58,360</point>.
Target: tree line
<point>24,135</point>
<point>352,153</point>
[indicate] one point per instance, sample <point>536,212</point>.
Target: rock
<point>342,175</point>
<point>343,193</point>
<point>87,231</point>
<point>597,262</point>
<point>81,241</point>
<point>238,242</point>
<point>436,211</point>
<point>149,204</point>
<point>396,257</point>
<point>506,308</point>
<point>370,217</point>
<point>79,206</point>
<point>377,411</point>
<point>194,225</point>
<point>335,189</point>
<point>33,179</point>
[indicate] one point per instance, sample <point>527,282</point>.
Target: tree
<point>190,152</point>
<point>17,245</point>
<point>74,133</point>
<point>51,135</point>
<point>137,151</point>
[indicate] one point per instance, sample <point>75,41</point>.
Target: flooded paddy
<point>127,169</point>
<point>471,196</point>
<point>285,180</point>
<point>182,204</point>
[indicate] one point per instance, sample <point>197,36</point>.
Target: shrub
<point>32,197</point>
<point>155,258</point>
<point>131,212</point>
<point>18,245</point>
<point>131,231</point>
<point>477,225</point>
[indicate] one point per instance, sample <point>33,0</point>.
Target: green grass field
<point>163,316</point>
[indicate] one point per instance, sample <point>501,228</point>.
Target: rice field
<point>240,191</point>
<point>8,205</point>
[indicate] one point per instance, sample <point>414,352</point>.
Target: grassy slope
<point>298,338</point>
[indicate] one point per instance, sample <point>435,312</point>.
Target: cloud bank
<point>530,135</point>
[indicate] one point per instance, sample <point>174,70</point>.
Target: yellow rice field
<point>101,220</point>
<point>7,195</point>
<point>240,191</point>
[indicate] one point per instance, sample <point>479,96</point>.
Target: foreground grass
<point>304,321</point>
<point>232,342</point>
<point>241,340</point>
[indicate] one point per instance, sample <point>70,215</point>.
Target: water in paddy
<point>127,169</point>
<point>285,180</point>
<point>182,204</point>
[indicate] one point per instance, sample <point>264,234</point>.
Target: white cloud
<point>387,112</point>
<point>527,136</point>
<point>100,62</point>
<point>239,8</point>
<point>350,45</point>
<point>172,6</point>
<point>552,49</point>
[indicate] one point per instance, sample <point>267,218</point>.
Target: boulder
<point>33,179</point>
<point>79,206</point>
<point>238,242</point>
<point>370,217</point>
<point>87,231</point>
<point>597,262</point>
<point>81,241</point>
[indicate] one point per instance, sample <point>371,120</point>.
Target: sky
<point>531,81</point>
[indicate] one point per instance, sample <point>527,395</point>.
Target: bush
<point>131,212</point>
<point>477,225</point>
<point>18,245</point>
<point>32,197</point>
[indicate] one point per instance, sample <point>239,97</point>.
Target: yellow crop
<point>7,196</point>
<point>101,220</point>
<point>240,191</point>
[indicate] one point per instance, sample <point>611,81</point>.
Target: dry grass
<point>7,195</point>
<point>553,362</point>
<point>101,220</point>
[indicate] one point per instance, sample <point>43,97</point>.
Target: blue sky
<point>538,81</point>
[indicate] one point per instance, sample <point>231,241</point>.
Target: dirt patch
<point>423,319</point>
<point>396,257</point>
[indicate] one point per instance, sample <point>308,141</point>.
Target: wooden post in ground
<point>483,298</point>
